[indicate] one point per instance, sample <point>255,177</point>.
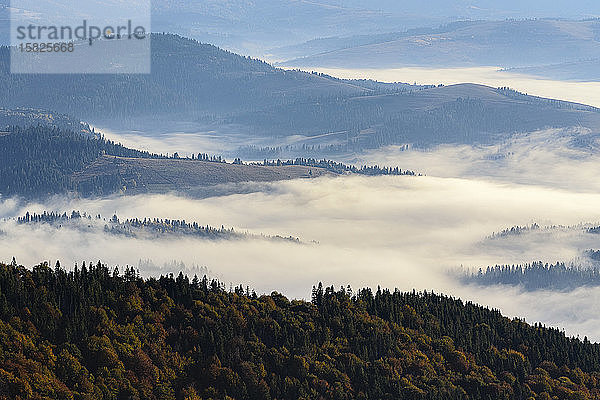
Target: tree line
<point>42,160</point>
<point>99,333</point>
<point>538,275</point>
<point>340,168</point>
<point>143,227</point>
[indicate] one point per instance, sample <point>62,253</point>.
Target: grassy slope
<point>152,175</point>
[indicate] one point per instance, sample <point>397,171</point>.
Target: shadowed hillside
<point>197,82</point>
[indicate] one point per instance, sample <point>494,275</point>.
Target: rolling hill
<point>252,27</point>
<point>585,70</point>
<point>45,160</point>
<point>41,160</point>
<point>464,113</point>
<point>510,43</point>
<point>191,81</point>
<point>188,78</point>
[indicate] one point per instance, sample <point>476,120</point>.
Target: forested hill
<point>539,276</point>
<point>40,160</point>
<point>187,78</point>
<point>45,160</point>
<point>33,117</point>
<point>95,333</point>
<point>199,82</point>
<point>147,228</point>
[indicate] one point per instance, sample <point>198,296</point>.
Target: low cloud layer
<point>566,159</point>
<point>403,232</point>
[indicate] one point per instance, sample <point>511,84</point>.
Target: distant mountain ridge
<point>187,77</point>
<point>509,43</point>
<point>253,26</point>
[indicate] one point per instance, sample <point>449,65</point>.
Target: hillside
<point>102,334</point>
<point>45,160</point>
<point>196,82</point>
<point>464,113</point>
<point>143,175</point>
<point>586,70</point>
<point>39,160</point>
<point>33,117</point>
<point>188,78</point>
<point>521,43</point>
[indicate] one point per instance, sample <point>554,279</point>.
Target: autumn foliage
<point>95,333</point>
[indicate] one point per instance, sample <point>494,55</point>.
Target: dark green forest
<point>340,168</point>
<point>32,117</point>
<point>141,227</point>
<point>40,160</point>
<point>99,333</point>
<point>538,275</point>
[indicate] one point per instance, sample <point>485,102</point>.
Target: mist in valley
<point>394,231</point>
<point>404,232</point>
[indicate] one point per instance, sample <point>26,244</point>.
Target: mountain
<point>97,333</point>
<point>255,26</point>
<point>464,113</point>
<point>187,78</point>
<point>252,27</point>
<point>40,161</point>
<point>509,43</point>
<point>191,81</point>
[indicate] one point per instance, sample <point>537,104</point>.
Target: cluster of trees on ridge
<point>538,275</point>
<point>96,333</point>
<point>138,227</point>
<point>340,168</point>
<point>33,117</point>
